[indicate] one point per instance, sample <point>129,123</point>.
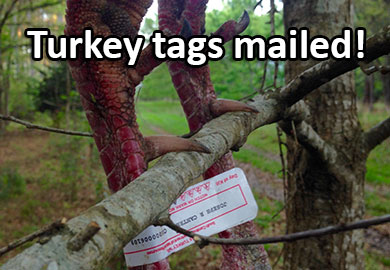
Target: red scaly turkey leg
<point>199,102</point>
<point>107,93</point>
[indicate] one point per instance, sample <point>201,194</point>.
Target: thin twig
<point>294,132</point>
<point>258,4</point>
<point>278,258</point>
<point>263,79</point>
<point>47,230</point>
<point>286,203</point>
<point>255,93</point>
<point>272,21</point>
<point>279,134</point>
<point>48,129</point>
<point>203,240</point>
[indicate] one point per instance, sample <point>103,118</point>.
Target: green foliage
<point>50,94</point>
<point>66,172</point>
<point>11,183</point>
<point>236,79</point>
<point>21,104</point>
<point>232,79</point>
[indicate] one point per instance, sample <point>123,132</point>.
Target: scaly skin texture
<point>107,90</point>
<point>197,96</point>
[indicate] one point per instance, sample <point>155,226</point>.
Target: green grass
<point>267,209</point>
<point>377,205</point>
<point>155,117</point>
<point>258,161</point>
<point>378,163</point>
<point>164,115</point>
<point>376,262</point>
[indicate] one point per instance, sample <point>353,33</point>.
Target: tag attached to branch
<point>207,208</point>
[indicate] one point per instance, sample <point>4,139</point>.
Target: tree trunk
<point>5,84</point>
<point>2,123</point>
<point>386,83</point>
<point>316,197</point>
<point>368,99</point>
<point>68,98</point>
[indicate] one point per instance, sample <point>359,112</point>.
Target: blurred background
<point>46,176</point>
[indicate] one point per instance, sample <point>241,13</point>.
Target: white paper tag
<point>210,207</point>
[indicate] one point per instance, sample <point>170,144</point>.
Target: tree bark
<point>386,83</point>
<point>368,99</point>
<point>318,198</point>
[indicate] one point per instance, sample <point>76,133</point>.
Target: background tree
<point>317,195</point>
<point>14,16</point>
<point>374,15</point>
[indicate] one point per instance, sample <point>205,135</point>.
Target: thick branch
<point>48,129</point>
<point>376,135</point>
<point>126,213</point>
<point>361,224</point>
<point>309,80</point>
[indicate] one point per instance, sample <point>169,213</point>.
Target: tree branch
<point>32,8</point>
<point>48,129</point>
<point>376,135</point>
<point>309,80</point>
<point>294,125</point>
<point>44,231</point>
<point>123,215</point>
<point>7,14</point>
<point>204,241</point>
